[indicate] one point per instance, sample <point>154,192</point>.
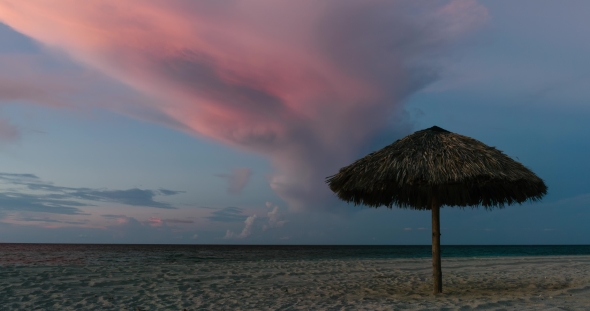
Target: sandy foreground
<point>517,283</point>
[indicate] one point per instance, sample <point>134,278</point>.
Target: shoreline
<point>84,254</point>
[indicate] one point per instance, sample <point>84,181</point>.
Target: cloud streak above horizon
<point>306,83</point>
<point>35,195</point>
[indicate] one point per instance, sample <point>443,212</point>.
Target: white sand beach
<point>517,283</point>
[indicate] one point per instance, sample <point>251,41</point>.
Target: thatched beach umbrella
<point>432,168</point>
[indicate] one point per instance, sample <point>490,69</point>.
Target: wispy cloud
<point>307,83</point>
<point>27,192</point>
<point>50,220</point>
<point>112,216</point>
<point>247,227</point>
<point>274,217</point>
<point>228,214</point>
<point>229,234</point>
<point>154,221</point>
<point>246,232</point>
<point>178,221</point>
<point>14,201</point>
<point>21,80</point>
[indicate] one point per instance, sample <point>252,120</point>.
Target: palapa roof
<point>458,170</point>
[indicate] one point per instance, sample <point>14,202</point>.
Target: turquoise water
<point>99,254</point>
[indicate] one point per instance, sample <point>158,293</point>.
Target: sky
<point>217,122</point>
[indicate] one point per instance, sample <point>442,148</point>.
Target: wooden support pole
<point>436,263</point>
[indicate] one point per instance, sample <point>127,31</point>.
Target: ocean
<point>122,254</point>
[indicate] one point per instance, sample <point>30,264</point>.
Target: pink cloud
<point>50,81</point>
<point>154,221</point>
<point>306,83</point>
<point>22,80</point>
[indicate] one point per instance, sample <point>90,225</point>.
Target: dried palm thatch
<point>432,168</point>
<point>435,163</point>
